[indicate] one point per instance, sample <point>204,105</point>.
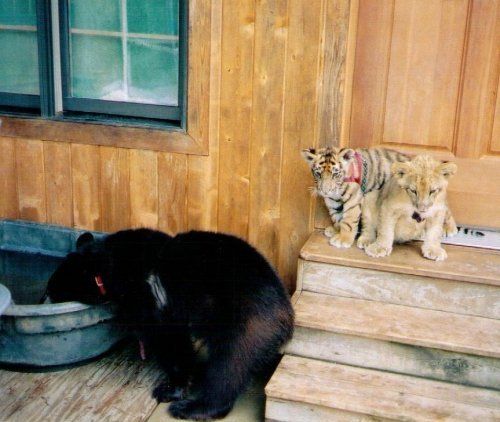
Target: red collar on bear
<point>100,284</point>
<point>355,172</point>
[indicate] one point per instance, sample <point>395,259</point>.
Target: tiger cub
<point>348,179</point>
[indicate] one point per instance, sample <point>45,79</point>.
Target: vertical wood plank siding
<point>272,59</point>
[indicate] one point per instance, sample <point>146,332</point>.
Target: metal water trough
<point>48,334</point>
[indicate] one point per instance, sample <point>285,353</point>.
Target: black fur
<point>214,290</point>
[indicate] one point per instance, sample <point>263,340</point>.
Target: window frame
<point>202,88</point>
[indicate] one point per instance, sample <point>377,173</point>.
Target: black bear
<point>197,291</point>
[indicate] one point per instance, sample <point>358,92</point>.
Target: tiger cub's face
<point>329,167</point>
<point>424,179</point>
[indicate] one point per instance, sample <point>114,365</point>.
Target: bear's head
<point>79,276</point>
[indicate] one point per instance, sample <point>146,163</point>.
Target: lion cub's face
<point>328,166</point>
<point>425,180</point>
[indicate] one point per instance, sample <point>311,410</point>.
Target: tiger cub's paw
<point>450,228</point>
<point>378,251</point>
<point>364,241</point>
<point>330,231</point>
<point>436,253</point>
<point>342,240</point>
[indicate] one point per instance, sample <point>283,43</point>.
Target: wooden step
<point>473,265</point>
<point>402,289</point>
<point>403,324</point>
<point>421,342</point>
<point>307,390</point>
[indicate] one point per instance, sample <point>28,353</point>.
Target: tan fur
<point>417,188</point>
<point>344,200</point>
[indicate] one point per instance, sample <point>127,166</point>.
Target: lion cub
<point>413,206</point>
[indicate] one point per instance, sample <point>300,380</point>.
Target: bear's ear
<point>309,155</point>
<point>346,154</point>
<point>84,239</point>
<point>399,170</point>
<point>447,169</point>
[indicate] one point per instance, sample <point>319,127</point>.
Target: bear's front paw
<point>197,410</point>
<point>364,241</point>
<point>341,240</point>
<point>378,251</point>
<point>436,253</point>
<point>164,392</point>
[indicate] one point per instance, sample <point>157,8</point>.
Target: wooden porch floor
<point>115,388</point>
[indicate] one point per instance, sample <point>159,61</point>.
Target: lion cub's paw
<point>378,251</point>
<point>364,241</point>
<point>436,253</point>
<point>330,231</point>
<point>340,240</point>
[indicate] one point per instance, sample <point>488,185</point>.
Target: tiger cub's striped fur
<point>345,199</point>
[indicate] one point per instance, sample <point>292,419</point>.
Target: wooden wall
<point>282,70</point>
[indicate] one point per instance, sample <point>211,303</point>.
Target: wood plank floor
<point>114,388</point>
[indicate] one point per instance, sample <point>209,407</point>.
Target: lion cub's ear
<point>447,169</point>
<point>309,155</point>
<point>399,170</point>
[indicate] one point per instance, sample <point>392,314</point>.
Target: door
<point>425,80</point>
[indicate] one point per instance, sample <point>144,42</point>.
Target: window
<point>115,58</point>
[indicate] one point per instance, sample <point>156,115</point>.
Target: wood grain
<point>391,356</point>
<point>402,289</point>
<point>425,64</point>
<point>117,387</point>
<point>333,71</point>
<point>369,88</point>
<point>203,172</point>
<point>401,324</point>
<point>235,108</point>
<point>58,186</point>
<point>31,180</point>
<point>172,190</point>
<point>301,90</point>
<point>115,188</point>
<point>9,207</point>
<point>480,83</point>
<point>85,173</point>
<point>271,30</point>
<point>381,394</point>
<point>473,265</point>
<point>143,189</point>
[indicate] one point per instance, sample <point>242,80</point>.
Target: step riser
<point>390,356</point>
<point>402,289</point>
<point>284,411</point>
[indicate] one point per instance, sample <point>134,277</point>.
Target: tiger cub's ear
<point>309,155</point>
<point>399,170</point>
<point>346,154</point>
<point>447,169</point>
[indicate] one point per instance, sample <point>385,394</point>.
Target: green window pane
<point>153,16</point>
<point>153,71</point>
<point>18,12</point>
<point>96,66</point>
<point>19,62</point>
<point>95,14</point>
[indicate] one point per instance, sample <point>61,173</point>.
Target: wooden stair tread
<point>465,264</point>
<point>399,323</point>
<point>378,393</point>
